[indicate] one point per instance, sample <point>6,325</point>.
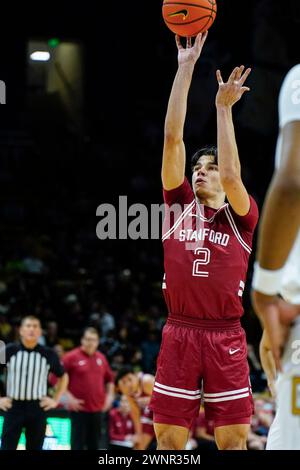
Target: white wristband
<point>266,281</point>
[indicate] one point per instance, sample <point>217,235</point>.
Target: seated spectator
<point>121,427</point>
<point>138,389</point>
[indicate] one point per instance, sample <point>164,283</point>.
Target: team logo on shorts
<point>233,351</point>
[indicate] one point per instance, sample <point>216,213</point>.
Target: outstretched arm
<point>173,165</point>
<point>282,203</point>
<point>229,164</point>
<point>278,230</point>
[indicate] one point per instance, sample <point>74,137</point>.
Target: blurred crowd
<point>53,178</point>
<point>121,428</point>
<point>124,303</point>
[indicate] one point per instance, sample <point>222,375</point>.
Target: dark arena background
<point>85,127</point>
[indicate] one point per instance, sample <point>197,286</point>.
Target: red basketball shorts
<point>197,364</point>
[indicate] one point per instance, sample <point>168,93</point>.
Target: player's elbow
<point>172,137</point>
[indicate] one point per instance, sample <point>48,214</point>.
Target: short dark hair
<point>30,317</point>
<point>122,373</point>
<point>208,150</point>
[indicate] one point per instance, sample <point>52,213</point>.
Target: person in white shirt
<point>276,280</point>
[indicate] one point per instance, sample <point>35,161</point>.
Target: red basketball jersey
<point>206,254</point>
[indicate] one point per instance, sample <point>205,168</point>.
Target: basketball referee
<point>26,403</point>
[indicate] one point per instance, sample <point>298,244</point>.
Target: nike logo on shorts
<point>233,351</point>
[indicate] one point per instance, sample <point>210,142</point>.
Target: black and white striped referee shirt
<point>28,369</point>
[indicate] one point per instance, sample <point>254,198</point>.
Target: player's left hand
<point>268,363</point>
<point>48,403</point>
<point>231,91</point>
<point>276,315</point>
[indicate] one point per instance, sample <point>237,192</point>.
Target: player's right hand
<point>191,53</point>
<point>231,91</point>
<point>5,403</point>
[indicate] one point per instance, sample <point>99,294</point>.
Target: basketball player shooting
<point>204,351</point>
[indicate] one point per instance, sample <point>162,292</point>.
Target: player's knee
<point>233,441</point>
<point>233,444</point>
<point>167,440</point>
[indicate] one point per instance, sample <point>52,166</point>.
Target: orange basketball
<point>188,18</point>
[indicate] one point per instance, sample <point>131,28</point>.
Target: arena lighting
<point>40,56</point>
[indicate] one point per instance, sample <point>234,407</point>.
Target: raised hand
<point>231,91</point>
<point>191,53</point>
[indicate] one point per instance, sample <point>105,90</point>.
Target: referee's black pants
<point>28,415</point>
<point>86,430</point>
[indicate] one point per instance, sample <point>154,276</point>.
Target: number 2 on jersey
<point>204,259</point>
